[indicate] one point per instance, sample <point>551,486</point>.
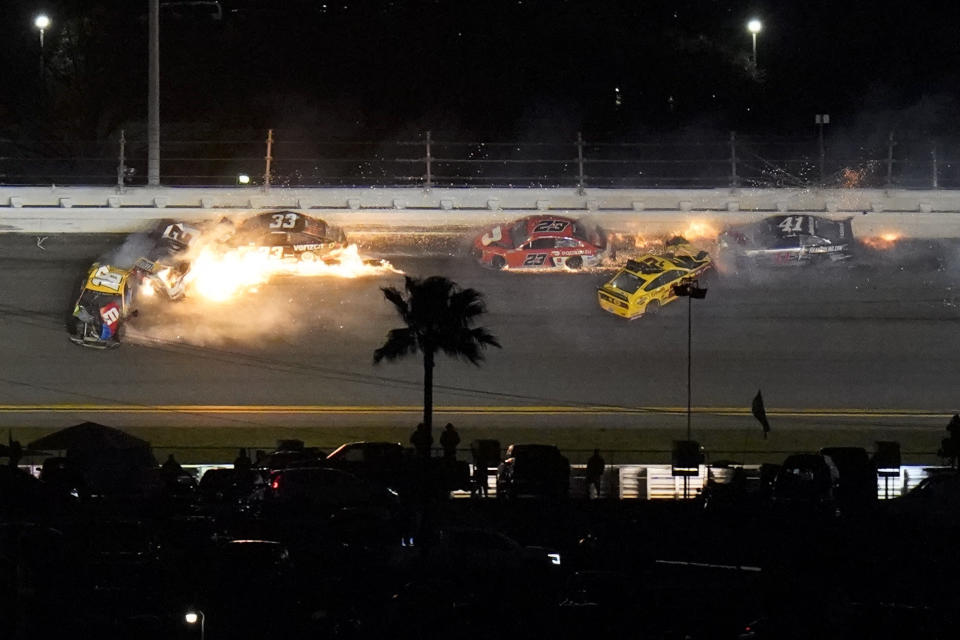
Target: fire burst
<point>698,230</point>
<point>221,276</point>
<point>883,241</point>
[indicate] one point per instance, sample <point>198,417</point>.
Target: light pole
<point>193,616</point>
<point>821,119</point>
<point>754,27</point>
<point>690,290</point>
<point>42,22</point>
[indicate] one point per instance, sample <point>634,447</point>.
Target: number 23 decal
<point>535,260</point>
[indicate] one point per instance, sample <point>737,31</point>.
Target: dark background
<point>494,70</point>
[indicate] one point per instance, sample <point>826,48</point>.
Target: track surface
<point>870,347</point>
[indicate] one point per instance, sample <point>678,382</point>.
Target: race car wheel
<point>498,262</point>
<point>652,309</point>
<point>307,256</point>
<point>575,262</point>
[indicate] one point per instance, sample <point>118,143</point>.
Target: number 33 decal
<point>284,220</point>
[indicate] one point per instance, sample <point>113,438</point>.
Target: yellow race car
<point>646,284</point>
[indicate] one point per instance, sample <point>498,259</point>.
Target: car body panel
<point>785,240</point>
<point>105,302</point>
<point>289,236</point>
<point>541,242</point>
<point>651,278</point>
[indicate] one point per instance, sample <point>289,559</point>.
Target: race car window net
<point>518,234</point>
<point>626,282</point>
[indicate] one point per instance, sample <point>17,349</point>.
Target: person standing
<point>449,440</point>
<point>422,440</point>
<point>595,467</point>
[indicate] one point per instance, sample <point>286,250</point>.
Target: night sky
<point>489,69</point>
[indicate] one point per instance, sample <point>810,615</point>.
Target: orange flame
<point>697,230</point>
<point>220,276</point>
<point>883,241</point>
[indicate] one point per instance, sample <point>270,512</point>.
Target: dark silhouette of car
<point>533,470</point>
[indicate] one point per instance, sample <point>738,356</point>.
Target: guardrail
<point>288,159</point>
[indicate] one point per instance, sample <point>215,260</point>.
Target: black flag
<point>760,414</point>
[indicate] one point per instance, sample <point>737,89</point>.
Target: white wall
<point>921,214</point>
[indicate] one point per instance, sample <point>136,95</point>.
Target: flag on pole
<point>759,413</point>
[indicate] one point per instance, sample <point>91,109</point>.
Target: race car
<point>788,240</point>
<point>541,242</point>
<point>165,266</point>
<point>644,285</point>
<point>105,302</point>
<point>289,236</point>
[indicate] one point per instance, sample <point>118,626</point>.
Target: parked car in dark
<point>856,477</point>
<point>805,482</point>
<point>533,470</point>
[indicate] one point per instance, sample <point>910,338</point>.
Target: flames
<point>698,230</point>
<point>883,241</point>
<point>219,276</point>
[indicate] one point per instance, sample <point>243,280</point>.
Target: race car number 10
<point>108,279</point>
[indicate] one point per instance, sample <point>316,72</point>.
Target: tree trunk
<point>428,391</point>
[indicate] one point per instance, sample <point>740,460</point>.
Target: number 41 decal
<point>792,224</point>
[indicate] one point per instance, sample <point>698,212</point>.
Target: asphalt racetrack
<point>857,352</point>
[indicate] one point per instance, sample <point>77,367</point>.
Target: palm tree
<point>438,315</point>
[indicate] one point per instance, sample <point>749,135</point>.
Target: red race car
<point>541,242</point>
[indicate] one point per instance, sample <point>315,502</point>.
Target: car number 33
<point>284,220</point>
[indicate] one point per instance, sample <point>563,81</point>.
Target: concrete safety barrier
<point>48,210</point>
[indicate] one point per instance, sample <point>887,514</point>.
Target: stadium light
<point>42,22</point>
<point>754,27</point>
<point>243,179</point>
<point>193,616</point>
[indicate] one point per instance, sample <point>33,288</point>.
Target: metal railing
<point>286,159</point>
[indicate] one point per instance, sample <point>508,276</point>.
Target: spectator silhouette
<point>449,440</point>
<point>595,466</point>
<point>171,466</point>
<point>480,473</point>
<point>16,453</point>
<point>242,461</point>
<point>422,440</point>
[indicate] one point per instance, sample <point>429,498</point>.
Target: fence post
<point>890,143</point>
<point>269,157</point>
<point>935,181</point>
<point>428,183</point>
<point>122,165</point>
<point>580,178</point>
<point>734,179</point>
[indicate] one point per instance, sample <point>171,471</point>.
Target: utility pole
<point>153,97</point>
<point>821,119</point>
<point>268,158</point>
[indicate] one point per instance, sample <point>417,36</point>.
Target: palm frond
<point>400,343</point>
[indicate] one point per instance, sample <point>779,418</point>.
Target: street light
<point>754,27</point>
<point>689,290</point>
<point>41,22</point>
<point>193,616</point>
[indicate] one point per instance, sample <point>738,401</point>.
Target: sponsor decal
<point>551,226</point>
<point>111,318</point>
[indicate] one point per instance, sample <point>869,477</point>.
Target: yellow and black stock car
<point>646,284</point>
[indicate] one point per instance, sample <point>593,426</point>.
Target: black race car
<point>289,236</point>
<point>788,240</point>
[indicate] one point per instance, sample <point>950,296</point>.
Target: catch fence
<point>289,159</point>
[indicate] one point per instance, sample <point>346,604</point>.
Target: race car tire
<point>307,256</point>
<point>652,309</point>
<point>498,262</point>
<point>575,262</point>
